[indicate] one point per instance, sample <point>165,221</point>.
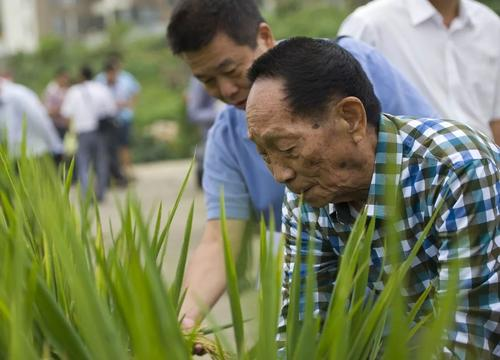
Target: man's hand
<point>205,279</point>
<point>188,325</point>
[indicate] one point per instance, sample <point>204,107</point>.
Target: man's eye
<point>230,72</point>
<point>288,151</point>
<point>207,81</point>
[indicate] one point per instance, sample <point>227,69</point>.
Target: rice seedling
<point>68,293</point>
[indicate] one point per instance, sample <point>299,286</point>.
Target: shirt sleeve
<point>324,265</point>
<point>132,85</point>
<point>43,127</point>
<point>68,104</point>
<point>357,27</point>
<point>468,232</point>
<point>221,171</point>
<point>496,95</point>
<point>137,86</point>
<point>48,97</point>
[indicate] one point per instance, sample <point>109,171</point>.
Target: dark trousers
<point>92,149</point>
<point>112,142</point>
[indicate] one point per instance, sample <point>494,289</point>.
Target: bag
<point>107,123</point>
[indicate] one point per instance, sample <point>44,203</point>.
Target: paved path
<point>159,183</point>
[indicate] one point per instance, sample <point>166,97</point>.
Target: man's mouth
<point>301,191</point>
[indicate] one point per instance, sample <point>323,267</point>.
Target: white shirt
<point>19,104</point>
<point>456,68</point>
<point>85,103</point>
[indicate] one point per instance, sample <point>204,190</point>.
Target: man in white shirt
<point>19,104</point>
<point>449,49</point>
<point>86,103</point>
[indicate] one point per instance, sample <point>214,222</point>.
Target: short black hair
<point>194,23</point>
<point>86,72</point>
<point>110,65</point>
<point>315,72</point>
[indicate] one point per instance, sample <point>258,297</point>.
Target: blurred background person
<point>87,103</point>
<point>18,105</point>
<point>125,90</point>
<point>114,134</point>
<point>449,49</point>
<point>53,98</point>
<point>201,111</point>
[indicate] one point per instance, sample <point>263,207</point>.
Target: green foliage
<point>67,292</point>
<point>321,21</point>
<point>117,35</point>
<point>50,49</point>
<point>493,4</point>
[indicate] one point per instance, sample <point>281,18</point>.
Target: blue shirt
<point>125,88</point>
<point>233,163</point>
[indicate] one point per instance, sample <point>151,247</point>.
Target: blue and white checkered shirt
<point>435,161</point>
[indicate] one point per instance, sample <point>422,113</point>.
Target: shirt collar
<point>387,168</point>
<point>422,10</point>
<point>388,159</point>
<point>465,15</point>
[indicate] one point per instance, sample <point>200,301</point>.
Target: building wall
<point>145,8</point>
<point>68,19</point>
<point>20,32</point>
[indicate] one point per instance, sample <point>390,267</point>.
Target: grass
<point>64,294</point>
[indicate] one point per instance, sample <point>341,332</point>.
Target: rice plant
<point>68,293</point>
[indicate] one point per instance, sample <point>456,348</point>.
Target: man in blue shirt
<point>219,40</point>
<point>125,89</point>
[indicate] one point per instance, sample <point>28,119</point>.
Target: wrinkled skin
<point>328,160</point>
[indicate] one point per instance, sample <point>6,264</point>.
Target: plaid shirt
<point>435,161</point>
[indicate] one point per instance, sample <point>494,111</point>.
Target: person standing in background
<point>125,90</point>
<point>53,98</point>
<point>449,49</point>
<point>20,104</point>
<point>85,104</point>
<point>201,111</point>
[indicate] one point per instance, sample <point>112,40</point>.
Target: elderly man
<point>219,40</point>
<point>317,123</point>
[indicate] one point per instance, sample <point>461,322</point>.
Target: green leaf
<point>232,284</point>
<point>181,265</point>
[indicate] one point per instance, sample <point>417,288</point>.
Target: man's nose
<point>227,89</point>
<point>282,173</point>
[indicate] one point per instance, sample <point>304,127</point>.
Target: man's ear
<point>265,36</point>
<point>352,111</point>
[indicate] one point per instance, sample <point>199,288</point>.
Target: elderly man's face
<point>222,66</point>
<point>328,160</point>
